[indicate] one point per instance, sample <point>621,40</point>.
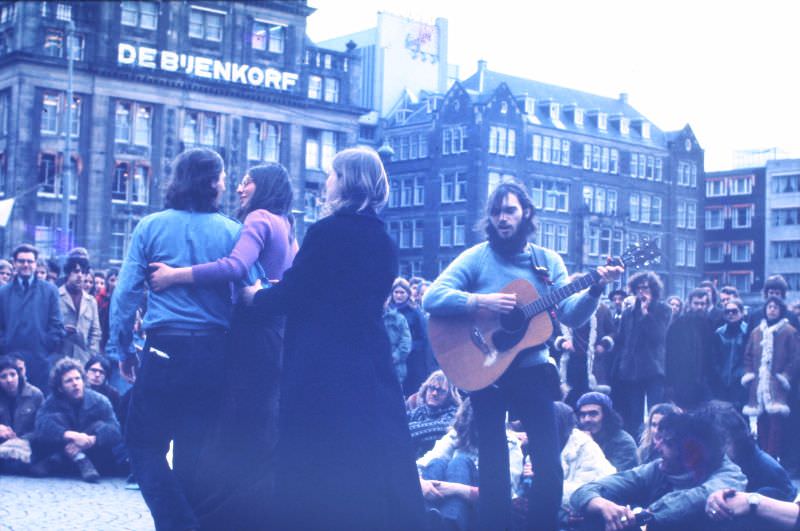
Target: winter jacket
<point>619,448</point>
<point>428,425</point>
<point>29,400</point>
<point>770,360</point>
<point>583,461</point>
<point>640,349</point>
<point>399,339</point>
<point>95,416</point>
<point>583,368</point>
<point>30,321</point>
<point>690,360</point>
<point>87,325</point>
<point>671,499</point>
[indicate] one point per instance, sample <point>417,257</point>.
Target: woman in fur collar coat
<point>770,362</point>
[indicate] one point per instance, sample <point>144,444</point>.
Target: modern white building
<point>783,223</point>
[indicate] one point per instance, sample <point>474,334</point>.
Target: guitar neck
<point>559,294</point>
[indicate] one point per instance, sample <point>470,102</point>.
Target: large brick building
<point>150,80</point>
<point>601,175</point>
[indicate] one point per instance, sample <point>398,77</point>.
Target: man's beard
<point>506,246</point>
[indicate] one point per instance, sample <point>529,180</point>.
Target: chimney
<point>481,74</point>
<point>623,97</point>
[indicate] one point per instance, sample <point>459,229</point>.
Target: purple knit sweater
<point>264,238</point>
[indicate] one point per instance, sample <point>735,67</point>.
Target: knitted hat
<point>594,397</point>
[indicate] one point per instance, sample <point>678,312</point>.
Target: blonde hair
<point>362,181</point>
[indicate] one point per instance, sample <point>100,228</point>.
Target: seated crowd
<point>697,464</point>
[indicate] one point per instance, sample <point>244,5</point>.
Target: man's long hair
<point>526,227</point>
<point>6,362</point>
<point>699,442</point>
<point>195,173</point>
<point>653,282</point>
<point>61,368</point>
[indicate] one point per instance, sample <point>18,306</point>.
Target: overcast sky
<point>727,68</point>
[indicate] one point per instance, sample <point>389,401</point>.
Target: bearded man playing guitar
<point>474,284</point>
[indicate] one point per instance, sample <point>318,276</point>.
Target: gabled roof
<point>565,97</point>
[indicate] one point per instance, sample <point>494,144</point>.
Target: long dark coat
<point>641,343</point>
<point>690,357</point>
<point>344,458</point>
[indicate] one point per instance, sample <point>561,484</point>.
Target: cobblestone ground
<point>62,504</point>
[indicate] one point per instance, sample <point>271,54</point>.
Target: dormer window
<point>578,116</point>
<point>432,104</point>
<point>645,130</point>
<point>530,105</point>
<point>602,121</point>
<point>402,115</point>
<point>624,126</point>
<point>555,111</point>
<point>503,107</point>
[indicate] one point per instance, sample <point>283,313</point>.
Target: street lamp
<point>66,174</point>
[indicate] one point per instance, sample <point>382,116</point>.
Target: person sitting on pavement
<point>751,511</point>
<point>764,474</point>
<point>438,402</point>
<point>597,417</point>
<point>647,446</point>
<point>672,490</point>
<point>449,471</point>
<point>76,425</point>
<point>19,402</point>
<point>98,368</point>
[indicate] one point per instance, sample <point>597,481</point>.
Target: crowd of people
<point>299,390</point>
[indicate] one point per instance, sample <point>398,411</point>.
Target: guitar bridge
<point>477,338</point>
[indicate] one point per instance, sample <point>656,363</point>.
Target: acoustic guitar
<point>475,349</point>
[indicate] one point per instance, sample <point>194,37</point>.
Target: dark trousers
<point>176,399</point>
<point>629,396</point>
<point>529,392</point>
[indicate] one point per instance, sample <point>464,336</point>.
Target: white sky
<point>730,69</point>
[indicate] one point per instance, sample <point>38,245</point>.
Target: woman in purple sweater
<point>242,454</point>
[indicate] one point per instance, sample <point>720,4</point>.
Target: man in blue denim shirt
<point>530,385</point>
<point>178,390</point>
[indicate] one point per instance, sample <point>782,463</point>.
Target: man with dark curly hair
<point>76,425</point>
<point>638,368</point>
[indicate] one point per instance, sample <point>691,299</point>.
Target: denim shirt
<point>481,270</point>
<point>177,238</point>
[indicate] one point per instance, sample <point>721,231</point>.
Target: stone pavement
<point>64,504</point>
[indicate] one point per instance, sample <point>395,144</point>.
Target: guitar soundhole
<point>513,321</point>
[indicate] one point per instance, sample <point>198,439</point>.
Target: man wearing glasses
<point>731,341</point>
<point>30,317</point>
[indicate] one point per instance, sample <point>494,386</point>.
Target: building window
<point>419,234</point>
<point>8,13</point>
<point>786,249</point>
<point>419,191</point>
<point>602,121</point>
<point>126,128</point>
<point>715,253</point>
<point>131,182</point>
<point>312,204</point>
<point>536,154</point>
<point>742,281</point>
<point>715,218</point>
<point>320,149</point>
<point>502,141</point>
<point>741,185</point>
<point>742,216</point>
<point>54,43</point>
<point>659,169</point>
<point>315,87</point>
<point>331,90</point>
<point>446,232</point>
<point>741,251</point>
<point>143,15</point>
<point>600,200</point>
<point>785,184</point>
<point>460,231</point>
<point>461,187</point>
<point>785,216</point>
<point>714,187</point>
<point>680,251</point>
<point>552,196</point>
<point>614,168</point>
<point>655,212</point>
<point>54,114</point>
<point>406,192</point>
<point>268,36</point>
<point>200,129</point>
<point>47,173</point>
<point>634,164</point>
<point>453,140</point>
<point>263,141</point>
<point>205,24</point>
<point>596,158</point>
<point>587,156</point>
<point>448,188</point>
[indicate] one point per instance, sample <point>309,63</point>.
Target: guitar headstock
<point>640,254</point>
